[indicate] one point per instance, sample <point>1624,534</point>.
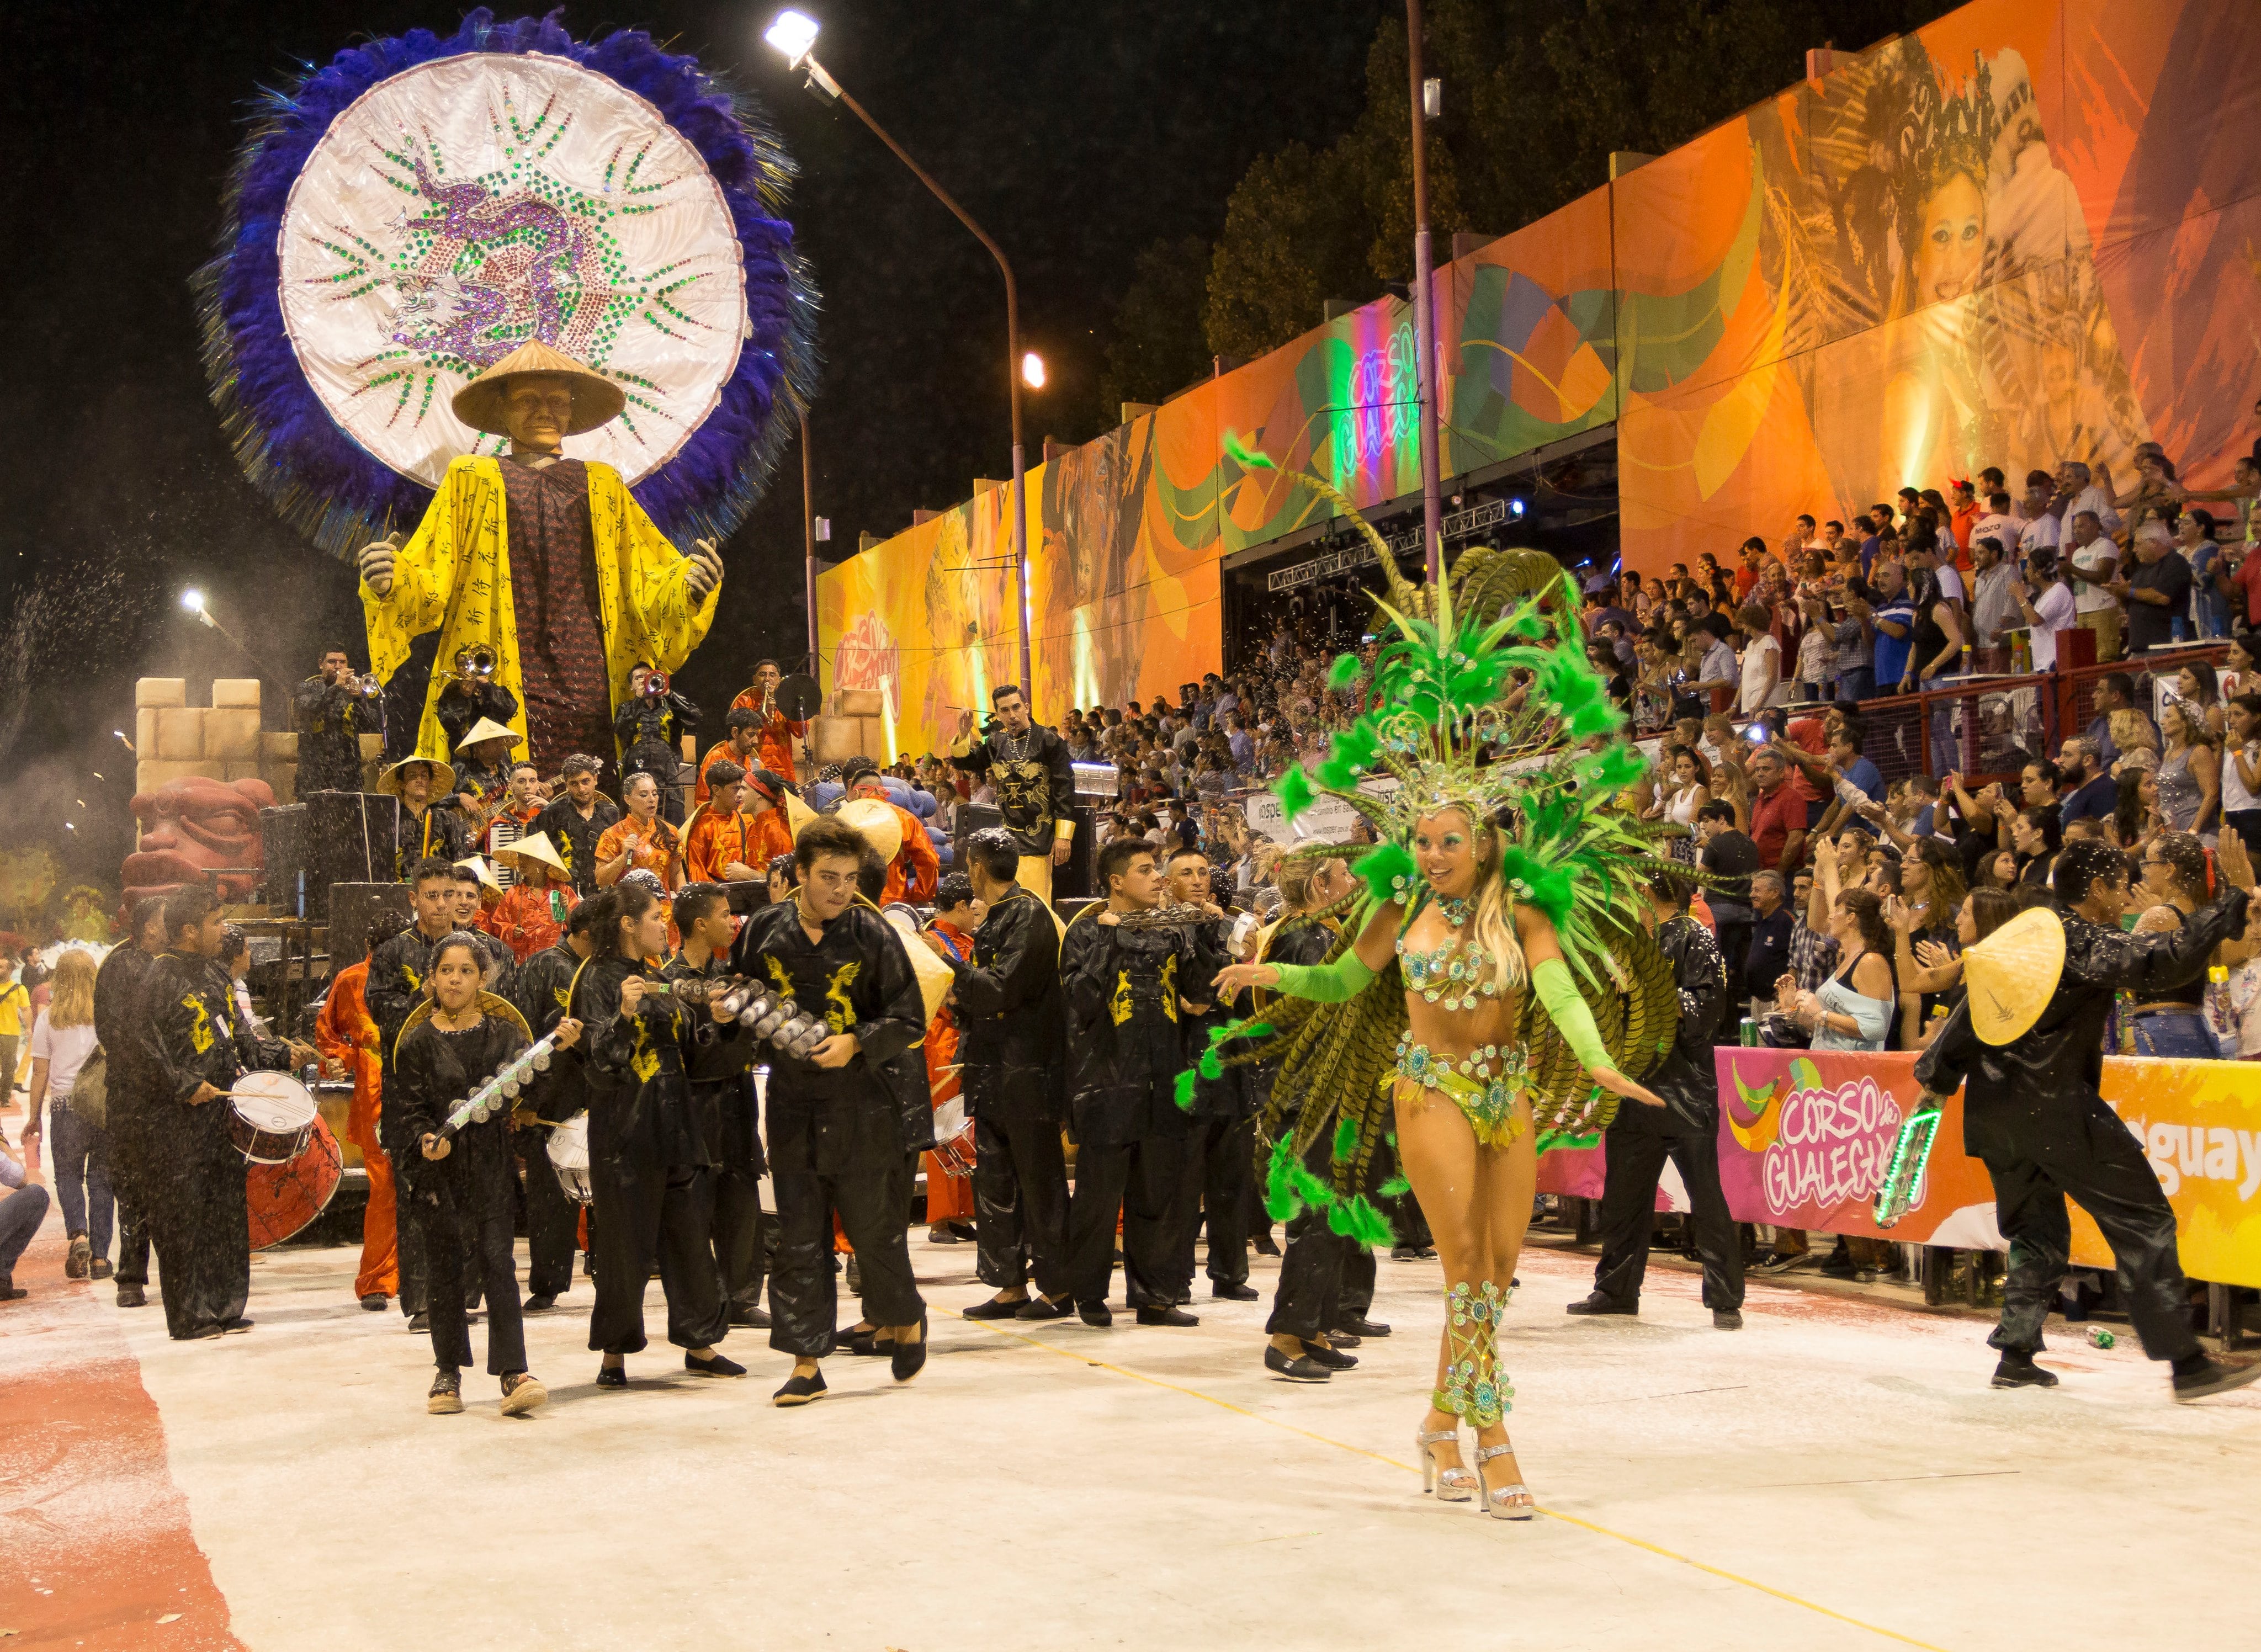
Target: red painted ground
<point>95,1545</point>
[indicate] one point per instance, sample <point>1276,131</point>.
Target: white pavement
<point>1837,1474</point>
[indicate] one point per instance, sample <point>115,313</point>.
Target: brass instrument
<point>473,665</point>
<point>656,686</point>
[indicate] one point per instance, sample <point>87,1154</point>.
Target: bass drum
<point>284,1199</point>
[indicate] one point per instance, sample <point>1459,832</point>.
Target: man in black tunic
<point>1218,1165</point>
<point>844,1123</point>
<point>722,1076</point>
<point>1012,1046</point>
<point>199,1048</point>
<point>577,820</point>
<point>398,969</point>
<point>1127,989</point>
<point>541,989</point>
<point>1035,779</point>
<point>331,713</point>
<point>1686,1130</point>
<point>2034,1113</point>
<point>123,1028</point>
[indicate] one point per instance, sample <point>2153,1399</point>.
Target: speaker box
<point>349,839</point>
<point>1071,881</point>
<point>282,846</point>
<point>351,907</point>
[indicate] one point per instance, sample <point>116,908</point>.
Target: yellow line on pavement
<point>1375,1456</point>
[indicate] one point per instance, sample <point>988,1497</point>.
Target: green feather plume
<point>1381,866</point>
<point>1343,672</point>
<point>1183,1090</point>
<point>1294,791</point>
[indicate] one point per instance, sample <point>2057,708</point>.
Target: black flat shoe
<point>420,1322</point>
<point>612,1376</point>
<point>1598,1305</point>
<point>799,1390</point>
<point>1038,1308</point>
<point>374,1302</point>
<point>2018,1370</point>
<point>237,1327</point>
<point>1094,1313</point>
<point>909,1358</point>
<point>1344,1339</point>
<point>750,1319</point>
<point>1265,1246</point>
<point>854,1341</point>
<point>1166,1316</point>
<point>131,1297</point>
<point>1319,1354</point>
<point>543,1304</point>
<point>994,1308</point>
<point>715,1365</point>
<point>2219,1377</point>
<point>1727,1318</point>
<point>203,1334</point>
<point>1224,1291</point>
<point>1302,1369</point>
<point>1362,1328</point>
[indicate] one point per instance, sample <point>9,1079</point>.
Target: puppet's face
<point>537,410</point>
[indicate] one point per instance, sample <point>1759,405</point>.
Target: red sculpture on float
<point>188,828</point>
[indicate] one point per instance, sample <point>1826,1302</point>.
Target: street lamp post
<point>1425,313</point>
<point>795,35</point>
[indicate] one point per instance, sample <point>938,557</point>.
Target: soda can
<point>1750,1031</point>
<point>2100,1338</point>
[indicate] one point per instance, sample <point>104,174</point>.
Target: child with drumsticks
<point>461,1179</point>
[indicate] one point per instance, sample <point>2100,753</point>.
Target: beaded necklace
<point>1453,975</point>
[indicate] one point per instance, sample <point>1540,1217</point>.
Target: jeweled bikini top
<point>1455,975</point>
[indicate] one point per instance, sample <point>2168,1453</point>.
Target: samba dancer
<point>542,989</point>
<point>1457,956</point>
<point>200,1047</point>
<point>1013,1050</point>
<point>1035,779</point>
<point>841,1123</point>
<point>1128,989</point>
<point>652,1145</point>
<point>461,1182</point>
<point>2029,1037</point>
<point>721,1078</point>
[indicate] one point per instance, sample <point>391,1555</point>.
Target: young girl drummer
<point>462,1184</point>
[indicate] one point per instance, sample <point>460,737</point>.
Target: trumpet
<point>366,685</point>
<point>475,663</point>
<point>656,686</point>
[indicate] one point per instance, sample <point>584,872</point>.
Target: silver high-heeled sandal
<point>1448,1485</point>
<point>1493,1503</point>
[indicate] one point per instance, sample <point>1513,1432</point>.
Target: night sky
<point>1075,135</point>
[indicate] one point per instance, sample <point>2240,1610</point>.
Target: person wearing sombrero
<point>430,831</point>
<point>483,772</point>
<point>532,914</point>
<point>914,868</point>
<point>2029,1041</point>
<point>545,559</point>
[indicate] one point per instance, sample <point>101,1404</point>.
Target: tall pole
<point>808,548</point>
<point>1012,375</point>
<point>1424,314</point>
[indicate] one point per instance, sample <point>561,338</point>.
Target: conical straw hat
<point>482,871</point>
<point>596,398</point>
<point>798,815</point>
<point>2012,974</point>
<point>536,847</point>
<point>877,821</point>
<point>485,729</point>
<point>935,977</point>
<point>443,776</point>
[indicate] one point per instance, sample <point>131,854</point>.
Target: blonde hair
<point>2131,731</point>
<point>71,1001</point>
<point>1493,925</point>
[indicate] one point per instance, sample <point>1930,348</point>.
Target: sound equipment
<point>799,698</point>
<point>350,838</point>
<point>351,907</point>
<point>282,847</point>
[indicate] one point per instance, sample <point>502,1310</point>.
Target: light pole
<point>1424,316</point>
<point>808,548</point>
<point>794,34</point>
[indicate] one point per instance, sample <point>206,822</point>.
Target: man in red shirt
<point>2240,580</point>
<point>1777,813</point>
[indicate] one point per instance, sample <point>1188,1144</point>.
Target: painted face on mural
<point>1954,240</point>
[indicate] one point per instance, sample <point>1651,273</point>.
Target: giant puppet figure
<point>514,320</point>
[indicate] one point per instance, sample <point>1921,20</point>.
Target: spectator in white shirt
<point>1997,523</point>
<point>2095,562</point>
<point>1994,601</point>
<point>1760,672</point>
<point>2077,491</point>
<point>2048,607</point>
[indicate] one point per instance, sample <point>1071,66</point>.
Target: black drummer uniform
<point>332,717</point>
<point>1035,779</point>
<point>721,1074</point>
<point>649,731</point>
<point>575,838</point>
<point>462,706</point>
<point>540,988</point>
<point>197,1215</point>
<point>441,832</point>
<point>397,971</point>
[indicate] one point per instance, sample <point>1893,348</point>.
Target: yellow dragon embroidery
<point>1119,1006</point>
<point>200,1032</point>
<point>840,1014</point>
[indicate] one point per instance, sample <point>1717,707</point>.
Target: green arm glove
<point>1552,982</point>
<point>1335,983</point>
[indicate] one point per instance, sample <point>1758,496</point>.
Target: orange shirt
<point>529,921</point>
<point>778,735</point>
<point>716,840</point>
<point>916,869</point>
<point>658,848</point>
<point>345,1033</point>
<point>722,748</point>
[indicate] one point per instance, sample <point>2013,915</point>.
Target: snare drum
<point>953,1138</point>
<point>569,1157</point>
<point>280,1200</point>
<point>271,1117</point>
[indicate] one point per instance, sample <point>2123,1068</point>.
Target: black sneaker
<point>714,1365</point>
<point>374,1302</point>
<point>1727,1318</point>
<point>799,1390</point>
<point>2018,1370</point>
<point>420,1322</point>
<point>1228,1290</point>
<point>133,1296</point>
<point>237,1327</point>
<point>1166,1315</point>
<point>542,1304</point>
<point>1344,1339</point>
<point>1302,1368</point>
<point>11,1291</point>
<point>2219,1377</point>
<point>445,1397</point>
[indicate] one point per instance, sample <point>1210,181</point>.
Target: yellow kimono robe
<point>454,577</point>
